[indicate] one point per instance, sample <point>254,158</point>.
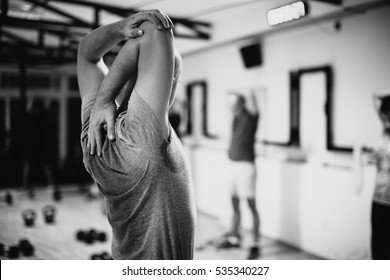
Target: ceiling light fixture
<point>19,9</point>
<point>287,13</point>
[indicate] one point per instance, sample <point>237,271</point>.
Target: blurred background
<point>313,77</point>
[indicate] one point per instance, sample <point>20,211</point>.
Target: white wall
<point>309,205</point>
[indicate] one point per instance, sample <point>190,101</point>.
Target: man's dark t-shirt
<point>243,137</point>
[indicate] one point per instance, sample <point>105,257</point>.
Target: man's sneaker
<point>254,253</point>
<point>229,242</point>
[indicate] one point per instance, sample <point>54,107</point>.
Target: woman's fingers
<point>156,17</point>
<point>148,16</point>
<point>110,119</point>
<point>92,144</point>
<point>169,23</point>
<point>98,140</point>
<point>162,17</point>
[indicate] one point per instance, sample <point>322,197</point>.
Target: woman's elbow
<point>84,54</point>
<point>151,33</point>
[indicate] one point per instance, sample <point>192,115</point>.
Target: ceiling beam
<point>11,53</point>
<point>335,2</point>
<point>58,11</point>
<point>17,39</point>
<point>28,24</point>
<point>71,29</point>
<point>125,12</point>
<point>196,30</point>
<point>110,8</point>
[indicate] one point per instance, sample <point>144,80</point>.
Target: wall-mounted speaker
<point>251,55</point>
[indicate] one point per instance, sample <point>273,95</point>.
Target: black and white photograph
<point>235,130</point>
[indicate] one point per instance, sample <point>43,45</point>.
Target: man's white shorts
<point>242,178</point>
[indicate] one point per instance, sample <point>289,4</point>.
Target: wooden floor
<point>78,212</point>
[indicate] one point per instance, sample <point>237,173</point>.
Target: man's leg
<point>57,196</point>
<point>232,238</point>
<point>25,179</point>
<point>49,174</point>
<point>236,216</point>
<point>248,187</point>
<point>235,200</point>
<point>256,219</point>
<point>254,251</point>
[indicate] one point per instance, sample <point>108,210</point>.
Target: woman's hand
<point>101,124</point>
<point>130,25</point>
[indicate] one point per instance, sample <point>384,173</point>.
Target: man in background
<point>242,168</point>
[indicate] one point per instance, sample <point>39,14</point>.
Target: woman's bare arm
<point>91,69</point>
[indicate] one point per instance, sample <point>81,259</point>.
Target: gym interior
<point>313,66</point>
